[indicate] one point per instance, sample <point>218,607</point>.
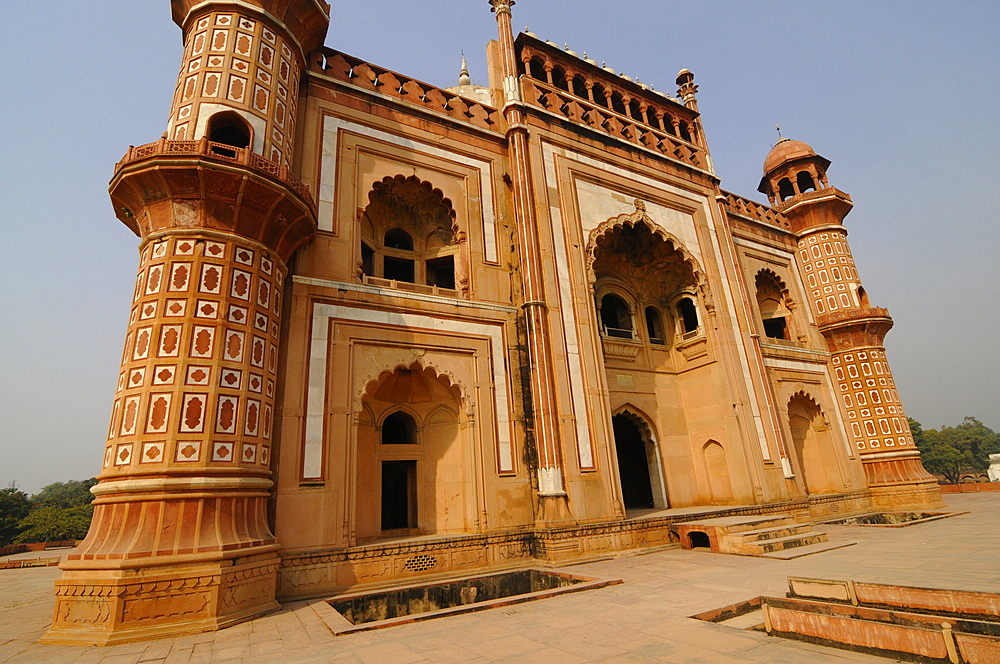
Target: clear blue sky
<point>902,97</point>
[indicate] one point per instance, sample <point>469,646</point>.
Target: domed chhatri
<point>787,150</point>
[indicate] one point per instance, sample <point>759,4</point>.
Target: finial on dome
<point>463,77</point>
<point>569,51</point>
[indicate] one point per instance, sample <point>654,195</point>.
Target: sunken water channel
<point>894,519</point>
<point>470,594</point>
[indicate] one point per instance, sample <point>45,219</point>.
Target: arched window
<point>863,297</point>
<point>397,238</point>
<point>654,326</point>
<point>228,128</point>
<point>408,236</point>
<point>785,190</point>
<point>805,182</point>
<point>688,315</point>
<point>615,317</point>
<point>399,429</point>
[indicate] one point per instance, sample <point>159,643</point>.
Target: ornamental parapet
<point>356,71</point>
<point>219,152</point>
<point>588,95</point>
<point>749,209</point>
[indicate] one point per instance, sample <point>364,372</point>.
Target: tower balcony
<point>201,184</point>
<point>855,328</point>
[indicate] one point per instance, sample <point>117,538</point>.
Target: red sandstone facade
<point>383,331</point>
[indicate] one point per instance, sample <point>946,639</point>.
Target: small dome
<point>786,150</point>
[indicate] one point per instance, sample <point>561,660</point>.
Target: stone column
<point>180,540</point>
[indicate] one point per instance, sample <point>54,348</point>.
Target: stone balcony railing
<point>859,313</point>
<point>217,152</point>
<point>744,207</point>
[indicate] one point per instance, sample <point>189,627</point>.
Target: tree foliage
<point>14,506</point>
<point>60,511</point>
<point>954,451</point>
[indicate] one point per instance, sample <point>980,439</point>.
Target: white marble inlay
<point>312,457</point>
<point>328,175</point>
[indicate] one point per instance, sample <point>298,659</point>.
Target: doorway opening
<point>633,463</point>
<point>399,496</point>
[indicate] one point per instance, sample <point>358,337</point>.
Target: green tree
<point>14,506</point>
<point>60,511</point>
<point>952,451</point>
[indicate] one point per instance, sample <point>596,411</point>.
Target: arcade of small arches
<point>585,87</point>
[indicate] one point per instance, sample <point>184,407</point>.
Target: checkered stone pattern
<point>829,271</point>
<point>197,379</point>
<point>238,62</point>
<point>875,414</point>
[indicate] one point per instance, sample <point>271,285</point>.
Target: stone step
<point>776,532</point>
<point>783,543</point>
<point>738,524</point>
<point>800,551</point>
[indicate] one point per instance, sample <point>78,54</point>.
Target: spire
<point>463,76</point>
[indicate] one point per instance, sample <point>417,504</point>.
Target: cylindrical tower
<point>795,182</point>
<point>180,540</point>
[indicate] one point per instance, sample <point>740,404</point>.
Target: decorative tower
<point>796,184</point>
<point>180,540</point>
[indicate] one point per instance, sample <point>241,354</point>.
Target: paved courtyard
<point>645,619</point>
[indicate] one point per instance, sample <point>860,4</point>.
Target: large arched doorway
<point>634,468</point>
<point>813,446</point>
<point>414,471</point>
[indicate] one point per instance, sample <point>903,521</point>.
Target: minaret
<point>551,486</point>
<point>180,540</point>
<point>796,184</point>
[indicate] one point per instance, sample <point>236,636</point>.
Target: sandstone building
<point>384,330</point>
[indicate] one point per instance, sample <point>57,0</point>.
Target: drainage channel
<point>376,610</point>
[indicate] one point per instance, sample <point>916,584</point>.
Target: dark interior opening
<point>400,269</point>
<point>775,328</point>
<point>805,182</point>
<point>654,326</point>
<point>228,129</point>
<point>699,540</point>
<point>397,238</point>
<point>399,429</point>
<point>689,315</point>
<point>399,500</point>
<point>785,190</point>
<point>615,318</point>
<point>633,465</point>
<point>367,259</point>
<point>441,272</point>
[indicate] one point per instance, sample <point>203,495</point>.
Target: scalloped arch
<point>631,220</point>
<point>639,418</point>
<point>427,372</point>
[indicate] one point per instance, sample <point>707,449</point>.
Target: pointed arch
<point>640,216</point>
<point>424,372</point>
<point>774,304</point>
<point>813,446</point>
<point>640,468</point>
<point>713,454</point>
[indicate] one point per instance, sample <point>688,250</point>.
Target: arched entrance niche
<point>813,446</point>
<point>775,306</point>
<point>717,469</point>
<point>409,235</point>
<point>650,272</point>
<point>414,470</point>
<point>639,468</point>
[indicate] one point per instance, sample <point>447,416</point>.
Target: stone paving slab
<point>644,619</point>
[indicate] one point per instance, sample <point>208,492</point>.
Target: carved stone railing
<point>858,313</point>
<point>622,127</point>
<point>217,152</point>
<point>363,74</point>
<point>744,207</point>
<point>412,287</point>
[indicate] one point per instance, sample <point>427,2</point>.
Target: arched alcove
<point>717,469</point>
<point>813,446</point>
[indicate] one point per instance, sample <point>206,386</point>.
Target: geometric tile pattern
<point>829,270</point>
<point>197,380</point>
<point>875,416</point>
<point>238,62</point>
